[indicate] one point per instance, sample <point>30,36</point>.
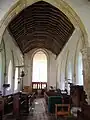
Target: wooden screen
<point>39,85</point>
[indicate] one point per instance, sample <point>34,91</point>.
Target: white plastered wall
<point>82,9</point>
<point>69,53</point>
<point>51,68</point>
<point>14,54</point>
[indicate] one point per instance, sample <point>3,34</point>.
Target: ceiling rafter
<point>41,25</point>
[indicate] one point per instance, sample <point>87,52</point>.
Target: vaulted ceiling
<point>41,25</point>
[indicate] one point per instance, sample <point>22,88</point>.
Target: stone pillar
<point>86,71</point>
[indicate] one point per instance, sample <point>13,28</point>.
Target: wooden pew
<point>16,106</point>
<point>21,104</point>
<point>14,103</point>
<point>17,103</point>
<point>84,114</point>
<point>78,95</point>
<point>1,108</point>
<point>25,102</point>
<point>8,103</point>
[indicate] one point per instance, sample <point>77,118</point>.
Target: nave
<point>38,111</point>
<point>46,105</point>
<point>44,44</point>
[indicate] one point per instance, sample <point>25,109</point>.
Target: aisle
<point>38,111</point>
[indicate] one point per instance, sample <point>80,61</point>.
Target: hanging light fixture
<point>22,74</point>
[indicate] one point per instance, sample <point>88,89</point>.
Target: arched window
<point>69,71</point>
<point>39,67</point>
<point>10,72</point>
<point>69,75</point>
<point>62,81</point>
<point>0,71</point>
<point>16,79</point>
<point>80,70</point>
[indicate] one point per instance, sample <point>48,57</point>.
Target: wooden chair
<point>63,111</point>
<point>27,89</point>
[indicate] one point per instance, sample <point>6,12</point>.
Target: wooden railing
<point>39,85</point>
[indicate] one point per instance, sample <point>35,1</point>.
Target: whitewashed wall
<point>14,54</point>
<point>69,54</point>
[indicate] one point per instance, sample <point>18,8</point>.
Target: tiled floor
<point>37,112</point>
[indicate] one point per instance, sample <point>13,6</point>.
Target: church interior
<point>44,59</point>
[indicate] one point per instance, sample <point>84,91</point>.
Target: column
<point>86,71</point>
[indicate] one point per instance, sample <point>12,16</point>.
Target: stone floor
<point>38,112</point>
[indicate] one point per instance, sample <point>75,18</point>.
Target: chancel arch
<point>61,5</point>
<point>42,32</point>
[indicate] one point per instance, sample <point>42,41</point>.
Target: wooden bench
<point>64,110</point>
<point>1,108</point>
<point>17,104</point>
<point>8,103</point>
<point>84,114</point>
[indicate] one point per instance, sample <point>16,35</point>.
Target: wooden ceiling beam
<point>41,25</point>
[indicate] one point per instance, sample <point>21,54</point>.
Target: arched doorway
<point>39,71</point>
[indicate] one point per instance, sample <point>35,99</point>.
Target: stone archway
<point>61,5</point>
<point>69,12</point>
